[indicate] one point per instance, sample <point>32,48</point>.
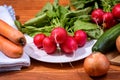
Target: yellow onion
<point>118,43</point>
<point>96,64</point>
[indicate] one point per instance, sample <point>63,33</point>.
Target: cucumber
<point>106,42</point>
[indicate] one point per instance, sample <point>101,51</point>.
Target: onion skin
<point>96,64</point>
<point>118,43</point>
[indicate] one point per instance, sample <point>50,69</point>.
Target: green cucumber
<point>107,40</point>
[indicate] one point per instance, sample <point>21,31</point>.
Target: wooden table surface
<point>26,9</point>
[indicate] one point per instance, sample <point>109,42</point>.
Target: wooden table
<point>26,9</point>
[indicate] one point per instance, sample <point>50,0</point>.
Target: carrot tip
<point>22,41</point>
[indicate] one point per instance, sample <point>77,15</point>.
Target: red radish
<point>108,20</point>
<point>49,45</point>
<point>116,11</point>
<point>59,34</point>
<point>69,46</point>
<point>81,37</point>
<point>107,17</point>
<point>51,38</point>
<point>108,25</point>
<point>38,39</point>
<point>97,16</point>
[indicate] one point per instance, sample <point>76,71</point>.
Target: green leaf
<point>84,11</point>
<point>37,21</point>
<point>84,25</point>
<point>18,25</point>
<point>95,33</point>
<point>81,4</point>
<point>62,12</point>
<point>32,30</point>
<point>108,4</point>
<point>55,4</point>
<point>51,14</point>
<point>47,7</point>
<point>93,30</point>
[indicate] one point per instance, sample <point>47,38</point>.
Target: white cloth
<point>9,64</point>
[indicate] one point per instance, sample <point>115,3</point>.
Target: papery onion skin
<point>118,43</point>
<point>96,64</point>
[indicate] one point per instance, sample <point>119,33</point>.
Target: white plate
<point>41,55</point>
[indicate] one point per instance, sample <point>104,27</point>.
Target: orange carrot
<point>11,33</point>
<point>9,48</point>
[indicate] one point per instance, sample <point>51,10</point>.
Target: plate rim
<point>72,60</point>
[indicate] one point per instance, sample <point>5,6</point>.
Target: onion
<point>96,64</point>
<point>118,43</point>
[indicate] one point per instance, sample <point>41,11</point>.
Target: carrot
<point>9,48</point>
<point>12,33</point>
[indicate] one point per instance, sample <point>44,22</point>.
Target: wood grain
<point>26,9</point>
<point>114,57</point>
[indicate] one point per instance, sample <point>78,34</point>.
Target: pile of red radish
<point>106,19</point>
<point>59,38</point>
